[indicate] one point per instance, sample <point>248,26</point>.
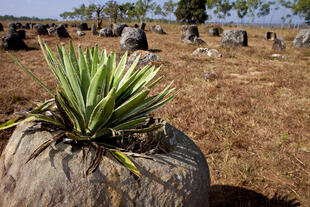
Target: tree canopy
<point>191,11</point>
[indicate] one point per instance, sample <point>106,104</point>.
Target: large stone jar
<point>57,176</point>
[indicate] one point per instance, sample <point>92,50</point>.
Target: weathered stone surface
<point>302,39</point>
<point>62,32</point>
<point>22,33</point>
<point>94,29</point>
<point>189,30</point>
<point>279,44</point>
<point>106,32</point>
<point>80,33</point>
<point>13,41</point>
<point>157,29</point>
<point>117,29</point>
<point>51,25</point>
<point>52,31</point>
<point>234,38</point>
<point>145,57</point>
<point>207,51</point>
<point>56,177</point>
<point>40,29</point>
<point>27,26</point>
<point>214,31</point>
<point>12,25</point>
<point>190,35</point>
<point>1,27</point>
<point>83,26</point>
<point>133,39</point>
<point>18,25</point>
<point>270,35</point>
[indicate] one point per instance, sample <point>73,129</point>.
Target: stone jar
<point>57,176</point>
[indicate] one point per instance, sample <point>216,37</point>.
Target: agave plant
<point>96,100</point>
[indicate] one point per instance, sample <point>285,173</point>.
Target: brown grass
<point>252,122</point>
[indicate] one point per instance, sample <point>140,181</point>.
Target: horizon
<point>35,8</point>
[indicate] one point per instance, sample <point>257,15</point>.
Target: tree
<point>168,8</point>
<point>112,10</point>
<point>143,7</point>
<point>97,10</point>
<point>241,7</point>
<point>264,9</point>
<point>157,10</point>
<point>191,11</point>
<point>127,11</point>
<point>302,8</point>
<point>222,7</point>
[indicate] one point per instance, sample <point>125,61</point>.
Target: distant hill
<point>23,18</point>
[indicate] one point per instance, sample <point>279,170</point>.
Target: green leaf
<point>102,112</point>
<point>126,162</point>
<point>42,107</point>
<point>95,60</point>
<point>84,74</point>
<point>49,119</point>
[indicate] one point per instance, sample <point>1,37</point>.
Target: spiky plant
<point>96,100</point>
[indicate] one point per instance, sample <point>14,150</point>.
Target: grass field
<point>252,121</point>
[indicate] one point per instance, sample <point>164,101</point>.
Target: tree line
<point>23,18</point>
<point>189,11</point>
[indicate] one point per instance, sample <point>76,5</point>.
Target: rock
<point>133,39</point>
<point>143,25</point>
<point>40,29</point>
<point>83,26</point>
<point>270,35</point>
<point>18,25</point>
<point>214,31</point>
<point>13,41</point>
<point>279,44</point>
<point>80,33</point>
<point>94,29</point>
<point>136,26</point>
<point>210,76</point>
<point>1,27</point>
<point>207,51</point>
<point>22,33</point>
<point>106,32</point>
<point>302,39</point>
<point>277,56</point>
<point>157,29</point>
<point>145,57</point>
<point>190,35</point>
<point>56,177</point>
<point>27,26</point>
<point>188,31</point>
<point>52,25</point>
<point>62,32</point>
<point>32,25</point>
<point>12,25</point>
<point>234,38</point>
<point>52,31</point>
<point>117,29</point>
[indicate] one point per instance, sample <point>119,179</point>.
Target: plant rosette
<point>100,104</point>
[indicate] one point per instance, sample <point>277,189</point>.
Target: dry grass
<point>252,122</point>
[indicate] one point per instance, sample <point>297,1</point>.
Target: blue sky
<point>52,9</point>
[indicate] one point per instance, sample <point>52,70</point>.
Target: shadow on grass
<point>233,196</point>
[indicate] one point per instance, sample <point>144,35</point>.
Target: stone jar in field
<point>133,39</point>
<point>40,29</point>
<point>302,39</point>
<point>13,41</point>
<point>157,29</point>
<point>1,27</point>
<point>56,177</point>
<point>279,44</point>
<point>214,31</point>
<point>94,30</point>
<point>234,38</point>
<point>190,35</point>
